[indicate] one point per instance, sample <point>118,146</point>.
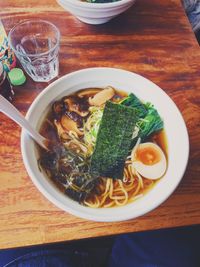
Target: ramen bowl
<point>178,144</point>
<point>95,13</point>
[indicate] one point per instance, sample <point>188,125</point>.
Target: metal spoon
<point>8,109</point>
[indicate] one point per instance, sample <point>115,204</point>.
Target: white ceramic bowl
<point>95,13</point>
<point>177,136</point>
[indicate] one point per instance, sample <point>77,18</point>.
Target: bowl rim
<point>84,212</point>
<point>80,3</point>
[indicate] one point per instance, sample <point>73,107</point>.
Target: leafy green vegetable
<point>132,101</point>
<point>149,121</point>
<point>113,140</point>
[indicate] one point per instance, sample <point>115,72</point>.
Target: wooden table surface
<point>154,39</point>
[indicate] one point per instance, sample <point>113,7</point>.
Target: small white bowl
<point>177,138</point>
<point>95,13</point>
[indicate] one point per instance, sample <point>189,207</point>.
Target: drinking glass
<point>36,45</point>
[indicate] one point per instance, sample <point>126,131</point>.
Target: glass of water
<point>36,45</point>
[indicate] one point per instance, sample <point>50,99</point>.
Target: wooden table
<point>154,39</point>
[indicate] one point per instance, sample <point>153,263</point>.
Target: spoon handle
<point>8,109</point>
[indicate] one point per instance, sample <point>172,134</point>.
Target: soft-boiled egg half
<point>149,161</point>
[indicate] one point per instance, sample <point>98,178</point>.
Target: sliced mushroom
<point>76,104</point>
<point>59,108</point>
<point>88,92</point>
<point>59,127</point>
<point>70,125</point>
<point>101,97</point>
<point>60,131</point>
<point>75,117</point>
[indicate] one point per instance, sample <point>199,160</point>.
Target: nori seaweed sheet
<point>113,140</point>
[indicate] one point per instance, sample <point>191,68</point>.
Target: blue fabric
<point>44,256</point>
<point>163,248</point>
<point>168,248</point>
<point>192,8</point>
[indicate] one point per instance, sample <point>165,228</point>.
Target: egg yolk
<point>148,155</point>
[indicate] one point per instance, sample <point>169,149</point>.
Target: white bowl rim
<point>85,211</point>
<point>80,3</point>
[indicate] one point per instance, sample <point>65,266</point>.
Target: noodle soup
<point>113,147</point>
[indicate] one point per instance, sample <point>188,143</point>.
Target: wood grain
<point>154,39</point>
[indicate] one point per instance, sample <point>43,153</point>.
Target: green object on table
<point>17,76</point>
